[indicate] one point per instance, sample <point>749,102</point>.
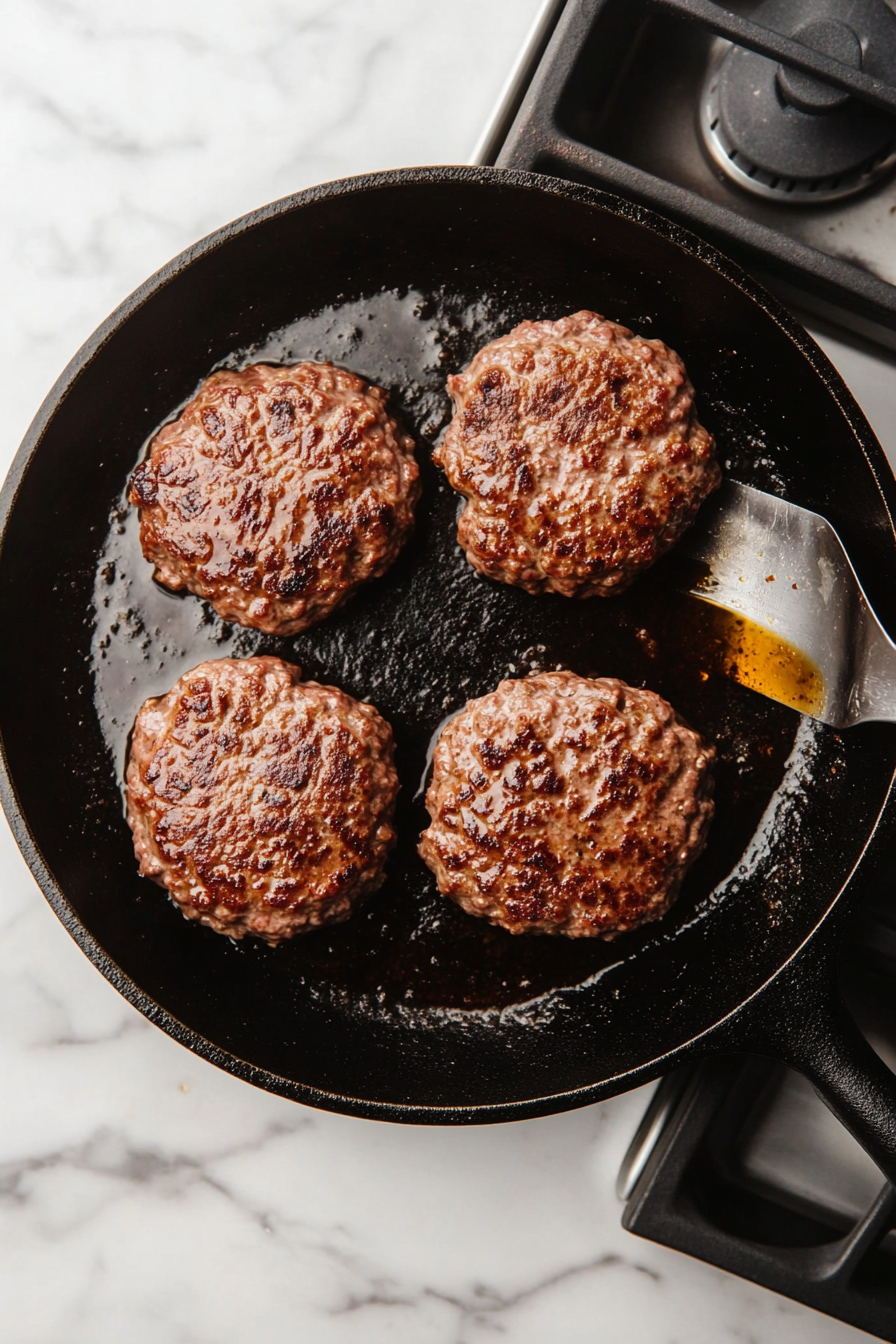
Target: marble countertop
<point>144,1195</point>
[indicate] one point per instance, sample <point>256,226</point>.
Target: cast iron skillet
<point>413,1011</point>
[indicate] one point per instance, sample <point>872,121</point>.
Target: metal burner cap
<point>788,136</point>
<point>832,38</point>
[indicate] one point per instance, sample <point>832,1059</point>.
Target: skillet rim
<point>825,931</point>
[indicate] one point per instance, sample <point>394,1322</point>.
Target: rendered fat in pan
<point>412,1011</point>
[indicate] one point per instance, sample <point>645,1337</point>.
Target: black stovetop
<point>610,94</point>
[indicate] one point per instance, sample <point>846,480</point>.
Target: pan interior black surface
<point>412,1001</point>
<point>422,642</point>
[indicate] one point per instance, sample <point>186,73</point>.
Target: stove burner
<point>788,136</point>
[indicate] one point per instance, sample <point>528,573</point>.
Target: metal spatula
<point>794,621</point>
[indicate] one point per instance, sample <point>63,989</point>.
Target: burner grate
<point>707,1173</point>
<point>693,1192</point>
<point>564,125</point>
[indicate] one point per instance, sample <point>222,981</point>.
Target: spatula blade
<point>793,617</point>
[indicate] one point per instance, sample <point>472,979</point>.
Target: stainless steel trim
<point>488,146</point>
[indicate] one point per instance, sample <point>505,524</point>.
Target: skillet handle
<point>801,1020</point>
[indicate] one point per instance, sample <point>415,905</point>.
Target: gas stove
<point>648,97</point>
<point>770,130</point>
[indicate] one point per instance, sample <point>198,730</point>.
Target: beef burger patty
<point>560,804</point>
<point>277,492</point>
<point>580,454</point>
<point>263,803</point>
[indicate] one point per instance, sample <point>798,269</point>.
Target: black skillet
<point>413,1011</point>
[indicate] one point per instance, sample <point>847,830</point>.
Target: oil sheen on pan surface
<point>412,1001</point>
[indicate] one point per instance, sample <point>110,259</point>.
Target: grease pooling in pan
<point>421,641</point>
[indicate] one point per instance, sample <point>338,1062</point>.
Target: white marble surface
<point>144,1195</point>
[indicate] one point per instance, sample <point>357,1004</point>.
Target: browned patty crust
<point>580,454</point>
<point>263,803</point>
<point>560,804</point>
<point>277,492</point>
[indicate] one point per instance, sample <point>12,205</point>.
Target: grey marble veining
<point>144,1195</point>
